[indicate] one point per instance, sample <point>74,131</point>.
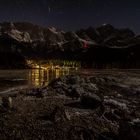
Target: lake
<point>11,79</point>
<point>30,78</point>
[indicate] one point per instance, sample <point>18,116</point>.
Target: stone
<point>7,102</point>
<point>1,101</point>
<point>91,100</point>
<point>129,131</point>
<point>107,136</point>
<point>75,91</point>
<point>73,80</point>
<point>90,87</point>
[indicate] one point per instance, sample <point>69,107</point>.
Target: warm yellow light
<point>37,66</point>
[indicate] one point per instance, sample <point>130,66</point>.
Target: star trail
<point>73,14</point>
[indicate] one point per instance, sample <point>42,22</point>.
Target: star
<point>49,9</point>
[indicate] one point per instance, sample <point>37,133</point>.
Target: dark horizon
<point>71,15</point>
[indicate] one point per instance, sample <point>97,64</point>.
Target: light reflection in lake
<point>32,77</point>
<point>39,77</point>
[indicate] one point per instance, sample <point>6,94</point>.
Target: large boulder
<point>129,130</point>
<point>7,102</point>
<point>75,91</point>
<point>91,100</point>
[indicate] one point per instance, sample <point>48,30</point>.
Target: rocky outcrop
<point>75,107</point>
<point>99,107</point>
<point>108,35</point>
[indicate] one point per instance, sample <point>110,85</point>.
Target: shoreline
<point>14,89</point>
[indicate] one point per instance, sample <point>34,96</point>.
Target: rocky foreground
<point>102,106</point>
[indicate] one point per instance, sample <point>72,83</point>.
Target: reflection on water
<point>31,78</point>
<point>39,77</point>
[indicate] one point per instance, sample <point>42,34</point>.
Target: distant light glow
<point>85,45</point>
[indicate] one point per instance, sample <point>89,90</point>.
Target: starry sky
<point>73,14</point>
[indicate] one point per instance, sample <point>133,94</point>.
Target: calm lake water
<point>30,78</point>
<point>11,79</point>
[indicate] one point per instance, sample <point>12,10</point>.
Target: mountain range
<point>98,47</point>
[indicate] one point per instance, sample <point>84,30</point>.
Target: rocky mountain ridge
<point>102,44</point>
<point>103,35</point>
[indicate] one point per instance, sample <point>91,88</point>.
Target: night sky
<point>73,14</point>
